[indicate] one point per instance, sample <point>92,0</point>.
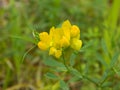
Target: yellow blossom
<point>56,35</point>
<point>44,44</point>
<point>64,42</point>
<point>66,36</point>
<point>53,51</point>
<point>66,26</point>
<point>75,31</point>
<point>58,53</point>
<point>76,44</point>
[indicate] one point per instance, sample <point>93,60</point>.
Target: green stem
<point>89,79</point>
<point>7,78</point>
<point>27,52</point>
<point>64,61</point>
<point>85,77</point>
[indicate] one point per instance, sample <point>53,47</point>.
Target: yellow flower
<point>58,53</point>
<point>53,51</point>
<point>65,36</point>
<point>66,26</point>
<point>42,45</point>
<point>76,44</point>
<point>75,31</point>
<point>45,42</point>
<point>64,42</point>
<point>56,35</point>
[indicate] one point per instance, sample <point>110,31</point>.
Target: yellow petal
<point>66,26</point>
<point>76,44</point>
<point>58,53</point>
<point>52,30</point>
<point>75,31</point>
<point>43,36</point>
<point>57,35</point>
<point>42,46</point>
<point>52,51</point>
<point>64,42</point>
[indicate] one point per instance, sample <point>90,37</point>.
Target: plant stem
<point>27,52</point>
<point>84,76</point>
<point>89,79</point>
<point>64,61</point>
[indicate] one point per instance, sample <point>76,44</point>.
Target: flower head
<point>75,31</point>
<point>44,44</point>
<point>67,36</point>
<point>53,51</point>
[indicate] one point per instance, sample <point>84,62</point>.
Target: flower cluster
<point>58,39</point>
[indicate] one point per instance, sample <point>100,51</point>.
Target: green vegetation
<point>23,66</point>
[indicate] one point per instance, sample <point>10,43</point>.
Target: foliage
<point>94,66</point>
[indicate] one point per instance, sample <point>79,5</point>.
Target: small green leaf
<point>104,47</point>
<point>72,59</point>
<point>106,84</point>
<point>60,69</point>
<point>105,76</point>
<point>114,59</point>
<point>63,85</point>
<point>76,73</point>
<point>53,63</point>
<point>86,46</point>
<point>36,35</point>
<point>101,60</point>
<point>51,75</point>
<point>74,79</point>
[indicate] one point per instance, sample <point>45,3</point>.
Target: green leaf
<point>51,75</point>
<point>72,59</point>
<point>106,84</point>
<point>101,60</point>
<point>59,69</point>
<point>63,85</point>
<point>74,79</point>
<point>53,63</point>
<point>114,14</point>
<point>114,59</point>
<point>36,35</point>
<point>104,47</point>
<point>76,73</point>
<point>105,74</point>
<point>86,46</point>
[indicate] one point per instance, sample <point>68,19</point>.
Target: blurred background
<point>22,64</point>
